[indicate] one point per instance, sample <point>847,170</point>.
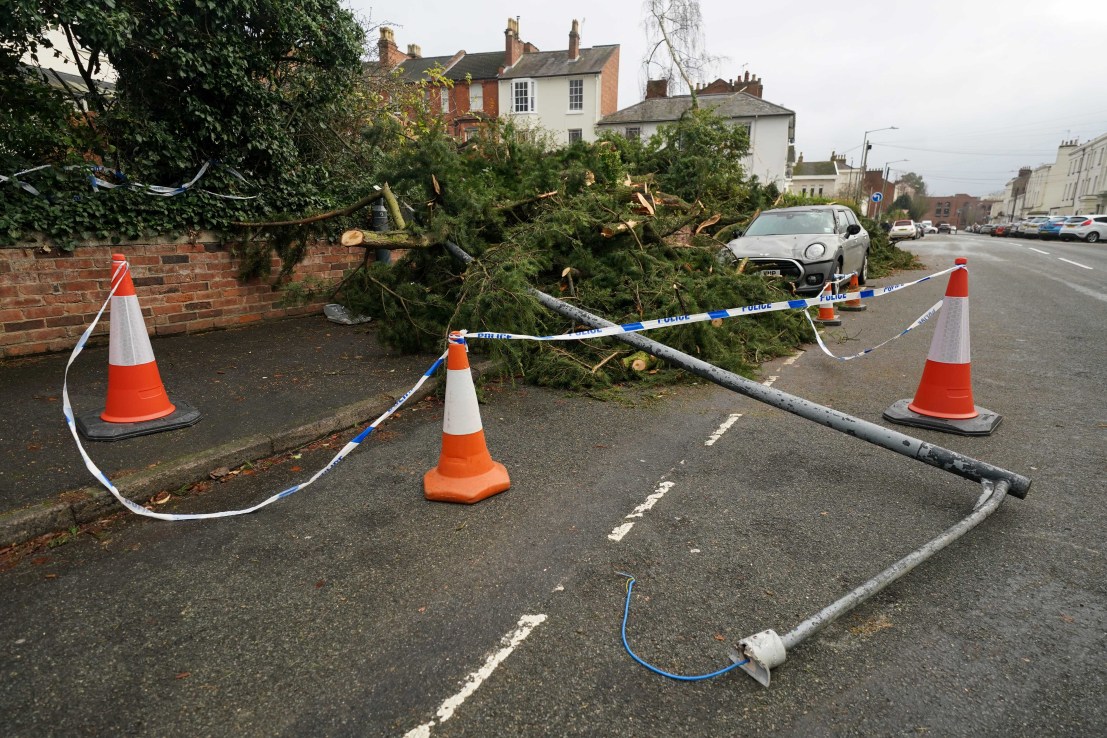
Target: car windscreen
<point>792,223</point>
<point>1075,219</point>
<point>903,222</point>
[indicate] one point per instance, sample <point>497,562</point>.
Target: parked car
<point>1091,228</point>
<point>986,228</point>
<point>1001,229</point>
<point>1051,228</point>
<point>902,229</point>
<point>805,245</point>
<point>944,228</point>
<point>1029,227</point>
<point>930,229</point>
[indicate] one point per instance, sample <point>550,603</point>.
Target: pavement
<point>262,389</point>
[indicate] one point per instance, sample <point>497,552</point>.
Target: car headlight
<point>814,251</point>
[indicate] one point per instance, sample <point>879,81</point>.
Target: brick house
<point>562,92</point>
<point>959,210</point>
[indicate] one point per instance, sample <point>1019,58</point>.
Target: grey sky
<point>977,88</point>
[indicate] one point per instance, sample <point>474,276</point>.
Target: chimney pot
<point>414,51</point>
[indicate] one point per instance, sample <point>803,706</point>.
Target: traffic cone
<point>853,305</point>
<point>465,472</point>
<point>137,402</point>
<point>943,400</point>
<point>826,310</point>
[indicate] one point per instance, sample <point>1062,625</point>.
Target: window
<point>444,96</point>
<point>469,133</point>
<point>575,134</point>
<point>522,96</point>
<point>634,133</point>
<point>820,191</point>
<point>476,98</point>
<point>576,94</point>
<point>805,192</point>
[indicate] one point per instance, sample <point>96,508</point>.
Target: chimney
<point>513,47</point>
<point>574,41</point>
<point>414,51</point>
<point>657,88</point>
<point>387,53</point>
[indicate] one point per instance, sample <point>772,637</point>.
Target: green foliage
<point>254,84</point>
<point>486,203</point>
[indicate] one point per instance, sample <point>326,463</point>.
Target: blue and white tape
<point>98,183</point>
<point>461,337</point>
<point>669,322</point>
<point>67,409</point>
<point>919,321</point>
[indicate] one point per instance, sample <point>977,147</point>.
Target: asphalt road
<point>357,608</point>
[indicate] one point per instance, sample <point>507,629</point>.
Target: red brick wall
<point>609,85</point>
<point>47,299</point>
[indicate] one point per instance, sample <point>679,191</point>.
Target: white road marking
<point>1038,250</point>
<point>769,382</point>
<point>527,623</point>
<point>622,530</point>
<point>1075,263</point>
<point>792,359</point>
<point>722,429</point>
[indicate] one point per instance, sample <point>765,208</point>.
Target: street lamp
<point>884,185</point>
<point>865,156</point>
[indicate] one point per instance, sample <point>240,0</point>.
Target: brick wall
<point>609,85</point>
<point>47,299</point>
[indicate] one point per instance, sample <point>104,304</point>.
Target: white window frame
<point>636,136</point>
<point>579,135</point>
<point>444,98</point>
<point>529,86</point>
<point>579,101</point>
<point>478,98</point>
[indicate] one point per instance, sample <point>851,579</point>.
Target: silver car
<point>805,245</point>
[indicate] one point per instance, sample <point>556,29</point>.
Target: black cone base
<point>94,429</point>
<point>982,425</point>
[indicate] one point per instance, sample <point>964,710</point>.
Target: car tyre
<point>1092,236</point>
<point>863,272</point>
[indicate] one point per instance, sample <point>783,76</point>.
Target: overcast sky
<point>976,88</point>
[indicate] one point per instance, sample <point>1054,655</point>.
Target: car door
<point>853,247</point>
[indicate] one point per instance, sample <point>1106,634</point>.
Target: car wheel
<point>863,275</point>
<point>1092,237</point>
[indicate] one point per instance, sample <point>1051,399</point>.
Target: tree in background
<point>674,33</point>
<point>915,181</point>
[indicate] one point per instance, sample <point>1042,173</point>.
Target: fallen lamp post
<point>767,649</point>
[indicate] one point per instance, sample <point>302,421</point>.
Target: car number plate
<point>771,272</point>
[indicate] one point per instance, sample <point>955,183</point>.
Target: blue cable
<point>654,669</point>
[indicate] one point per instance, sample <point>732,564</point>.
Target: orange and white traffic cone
<point>135,391</point>
<point>943,400</point>
<point>826,309</point>
<point>465,472</point>
<point>137,403</point>
<point>854,304</point>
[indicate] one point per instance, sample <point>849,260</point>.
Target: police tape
<point>67,409</point>
<point>668,322</point>
<point>674,320</point>
<point>99,183</point>
<point>919,321</point>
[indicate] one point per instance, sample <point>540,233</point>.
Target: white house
<point>771,127</point>
<point>563,92</point>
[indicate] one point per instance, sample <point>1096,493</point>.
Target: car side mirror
<point>853,229</point>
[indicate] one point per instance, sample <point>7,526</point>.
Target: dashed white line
<point>622,530</point>
<point>1075,263</point>
<point>722,429</point>
<point>527,623</point>
<point>1038,250</point>
<point>769,382</point>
